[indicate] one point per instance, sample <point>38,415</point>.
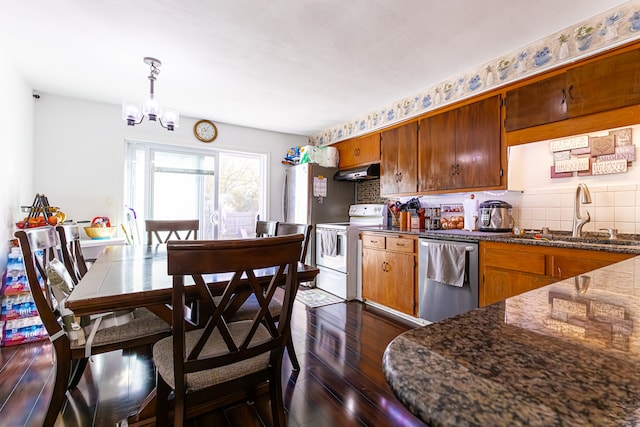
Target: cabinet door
<point>398,163</point>
<point>478,144</point>
<point>603,85</point>
<point>499,284</point>
<point>536,103</point>
<point>372,274</point>
<point>397,290</point>
<point>359,151</point>
<point>347,153</point>
<point>388,279</point>
<point>436,152</point>
<point>581,261</point>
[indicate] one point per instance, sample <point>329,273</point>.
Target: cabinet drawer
<point>400,245</point>
<point>525,262</point>
<point>376,242</point>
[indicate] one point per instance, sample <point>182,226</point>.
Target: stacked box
<point>19,320</point>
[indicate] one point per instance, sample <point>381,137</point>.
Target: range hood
<point>361,173</point>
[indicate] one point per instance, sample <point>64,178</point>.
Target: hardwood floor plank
<point>23,401</point>
<point>339,346</point>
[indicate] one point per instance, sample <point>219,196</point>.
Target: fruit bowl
<point>100,232</point>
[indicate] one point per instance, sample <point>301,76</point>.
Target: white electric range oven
<point>337,247</point>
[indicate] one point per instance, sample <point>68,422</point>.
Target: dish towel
<point>445,263</point>
<point>328,242</point>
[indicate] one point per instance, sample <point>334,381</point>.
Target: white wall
<point>16,146</point>
<point>80,149</point>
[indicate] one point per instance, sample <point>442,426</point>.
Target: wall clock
<point>205,130</point>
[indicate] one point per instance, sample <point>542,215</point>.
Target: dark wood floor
<point>341,383</point>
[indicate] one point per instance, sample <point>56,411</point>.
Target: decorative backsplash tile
<point>606,30</point>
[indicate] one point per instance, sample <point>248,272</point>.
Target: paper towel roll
<point>470,213</point>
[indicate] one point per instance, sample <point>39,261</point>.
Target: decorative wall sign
<point>572,143</point>
<point>573,165</point>
<point>561,155</point>
<point>600,145</point>
<point>555,174</point>
<point>606,168</point>
<point>593,155</point>
<point>622,136</point>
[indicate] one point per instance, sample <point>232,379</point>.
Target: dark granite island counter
<point>564,354</point>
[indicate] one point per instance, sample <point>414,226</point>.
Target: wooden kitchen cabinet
<point>594,87</point>
<point>398,163</point>
<point>359,151</point>
<point>461,148</point>
<point>389,271</point>
<point>508,269</point>
<point>536,103</point>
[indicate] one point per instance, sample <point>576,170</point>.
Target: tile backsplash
<point>613,205</point>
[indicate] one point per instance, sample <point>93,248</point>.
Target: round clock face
<point>205,130</point>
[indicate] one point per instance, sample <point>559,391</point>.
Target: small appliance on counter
<point>495,215</point>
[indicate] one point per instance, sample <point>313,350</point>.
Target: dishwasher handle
<point>466,248</point>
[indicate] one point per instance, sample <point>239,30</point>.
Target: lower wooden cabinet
<point>508,269</point>
<point>389,270</point>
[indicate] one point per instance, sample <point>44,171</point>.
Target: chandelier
<point>134,112</point>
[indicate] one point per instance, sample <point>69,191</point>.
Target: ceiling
<point>294,66</point>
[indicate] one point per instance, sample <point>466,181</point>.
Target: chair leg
<point>63,369</point>
<point>275,392</point>
<point>77,371</point>
<point>162,402</point>
<point>291,351</point>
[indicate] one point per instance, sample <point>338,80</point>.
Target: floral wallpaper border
<point>606,30</point>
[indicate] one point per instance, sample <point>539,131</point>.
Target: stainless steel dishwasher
<point>436,300</point>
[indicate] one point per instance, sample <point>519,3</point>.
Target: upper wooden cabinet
<point>359,151</point>
<point>461,148</point>
<point>536,103</point>
<point>398,163</point>
<point>606,84</point>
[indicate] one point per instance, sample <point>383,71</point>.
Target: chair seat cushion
<point>144,323</point>
<point>163,357</point>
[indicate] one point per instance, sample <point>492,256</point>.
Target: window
<point>226,191</point>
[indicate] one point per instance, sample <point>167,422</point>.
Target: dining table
<point>135,276</point>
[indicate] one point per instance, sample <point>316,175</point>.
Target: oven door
<point>331,248</point>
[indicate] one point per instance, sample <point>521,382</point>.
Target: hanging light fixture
<point>134,112</point>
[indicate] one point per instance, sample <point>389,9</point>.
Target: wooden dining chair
<point>266,228</point>
<point>217,361</point>
<point>41,253</point>
<point>74,262</point>
<point>245,310</point>
<point>72,251</point>
<point>163,230</point>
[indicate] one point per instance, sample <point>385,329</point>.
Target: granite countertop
<point>628,243</point>
<point>551,356</point>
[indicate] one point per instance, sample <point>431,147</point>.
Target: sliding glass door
<point>226,191</point>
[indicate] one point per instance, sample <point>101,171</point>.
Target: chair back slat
<point>164,230</point>
<point>72,251</point>
<point>285,228</point>
<point>266,228</point>
<point>188,261</point>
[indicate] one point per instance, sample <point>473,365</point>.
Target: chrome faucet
<point>578,220</point>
